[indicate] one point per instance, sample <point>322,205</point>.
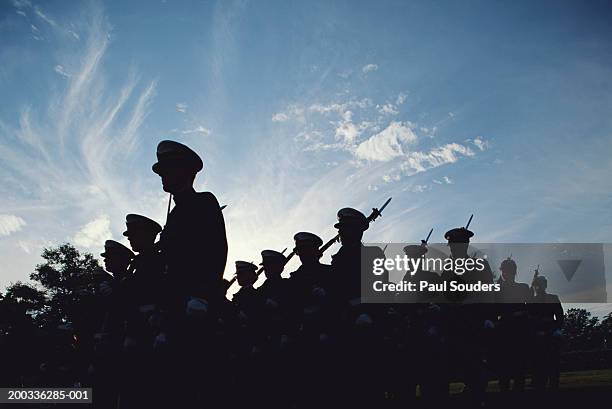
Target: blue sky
<point>298,108</point>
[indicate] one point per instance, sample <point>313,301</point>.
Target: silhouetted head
<point>458,241</point>
<point>539,285</point>
<point>246,273</point>
<point>508,270</point>
<point>415,251</point>
<point>117,257</point>
<point>307,247</point>
<point>351,225</point>
<point>273,263</point>
<point>177,165</point>
<point>141,232</point>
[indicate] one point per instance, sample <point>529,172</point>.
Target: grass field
<point>601,378</point>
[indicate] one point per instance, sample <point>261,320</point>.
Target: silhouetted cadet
<point>426,352</point>
<point>512,327</point>
<point>472,321</point>
<point>547,318</point>
<point>117,258</point>
<point>144,291</point>
<point>247,299</point>
<point>193,242</point>
<point>346,263</point>
<point>416,251</point>
<point>459,242</point>
<point>274,295</point>
<point>147,267</point>
<point>109,340</point>
<point>309,282</point>
<point>273,290</point>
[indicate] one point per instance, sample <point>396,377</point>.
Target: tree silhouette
<point>581,330</point>
<point>63,284</point>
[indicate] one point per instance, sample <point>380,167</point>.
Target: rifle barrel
<point>469,221</point>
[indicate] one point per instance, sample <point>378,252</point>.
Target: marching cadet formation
<point>169,337</point>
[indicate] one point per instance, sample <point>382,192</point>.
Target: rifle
<point>372,217</point>
<point>424,242</point>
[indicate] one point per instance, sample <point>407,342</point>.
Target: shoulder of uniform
<point>206,196</point>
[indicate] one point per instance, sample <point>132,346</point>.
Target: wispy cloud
<point>71,156</point>
<point>417,162</point>
<point>94,233</point>
<point>197,130</point>
<point>481,143</point>
<point>10,224</point>
<point>61,71</point>
<point>181,107</point>
<point>369,68</point>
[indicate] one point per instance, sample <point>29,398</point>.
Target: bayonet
<point>469,221</point>
<point>424,242</point>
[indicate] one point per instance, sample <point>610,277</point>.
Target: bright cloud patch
<point>10,224</point>
<point>94,233</point>
<point>369,68</point>
<point>421,161</point>
<point>387,144</point>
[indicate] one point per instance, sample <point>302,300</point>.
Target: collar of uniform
<point>184,196</point>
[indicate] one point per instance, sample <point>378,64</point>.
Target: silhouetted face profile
<point>508,271</point>
<point>308,254</point>
<point>350,234</point>
<point>177,180</point>
<point>141,240</point>
<point>414,252</point>
<point>351,225</point>
<point>117,257</point>
<point>116,264</point>
<point>177,165</point>
<point>459,250</point>
<point>141,232</point>
<point>246,278</point>
<point>273,269</point>
<point>539,285</point>
<point>458,241</point>
<point>307,247</point>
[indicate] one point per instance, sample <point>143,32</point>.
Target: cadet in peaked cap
<point>349,217</point>
<point>459,241</point>
<point>272,256</point>
<point>172,155</point>
<point>193,241</point>
<point>117,257</point>
<point>508,266</point>
<point>113,248</point>
<point>141,231</point>
<point>307,247</point>
<point>458,235</point>
<point>136,222</point>
<point>273,263</point>
<point>306,239</point>
<point>415,250</point>
<point>245,273</point>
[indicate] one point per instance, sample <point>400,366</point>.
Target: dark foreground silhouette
<point>155,329</point>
